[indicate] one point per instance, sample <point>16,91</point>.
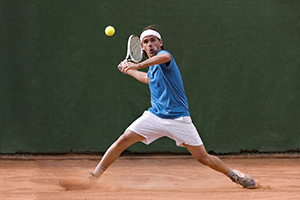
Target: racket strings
<point>135,50</point>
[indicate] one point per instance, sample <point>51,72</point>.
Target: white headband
<point>149,32</point>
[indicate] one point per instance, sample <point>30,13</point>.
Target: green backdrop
<point>61,91</point>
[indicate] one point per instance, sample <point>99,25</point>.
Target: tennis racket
<point>134,50</point>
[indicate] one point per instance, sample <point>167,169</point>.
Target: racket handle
<point>120,67</point>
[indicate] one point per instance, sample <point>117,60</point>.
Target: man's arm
<point>132,68</point>
<point>138,75</point>
<point>155,60</point>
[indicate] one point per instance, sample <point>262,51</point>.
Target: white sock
<point>230,173</point>
<point>99,170</point>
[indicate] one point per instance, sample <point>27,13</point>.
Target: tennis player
<point>169,113</point>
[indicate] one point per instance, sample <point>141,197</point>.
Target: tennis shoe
<point>244,180</point>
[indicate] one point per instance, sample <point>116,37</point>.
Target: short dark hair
<point>152,27</point>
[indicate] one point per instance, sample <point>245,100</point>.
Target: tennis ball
<point>109,31</point>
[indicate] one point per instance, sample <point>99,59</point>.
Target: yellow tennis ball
<point>109,31</point>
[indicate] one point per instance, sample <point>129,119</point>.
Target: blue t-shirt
<point>168,99</point>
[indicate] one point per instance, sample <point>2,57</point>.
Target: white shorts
<point>151,127</point>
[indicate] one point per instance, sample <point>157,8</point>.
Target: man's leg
<point>115,150</point>
<point>200,154</point>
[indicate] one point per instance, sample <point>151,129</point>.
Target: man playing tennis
<point>169,113</point>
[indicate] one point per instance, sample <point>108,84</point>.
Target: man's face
<point>151,45</point>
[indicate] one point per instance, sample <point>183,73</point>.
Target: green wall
<point>61,91</point>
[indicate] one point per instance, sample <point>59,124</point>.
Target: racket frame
<point>131,59</point>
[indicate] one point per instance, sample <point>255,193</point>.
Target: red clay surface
<point>146,177</point>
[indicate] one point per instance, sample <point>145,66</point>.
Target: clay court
<point>146,177</point>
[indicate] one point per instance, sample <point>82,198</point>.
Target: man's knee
<point>128,138</point>
<point>123,140</point>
